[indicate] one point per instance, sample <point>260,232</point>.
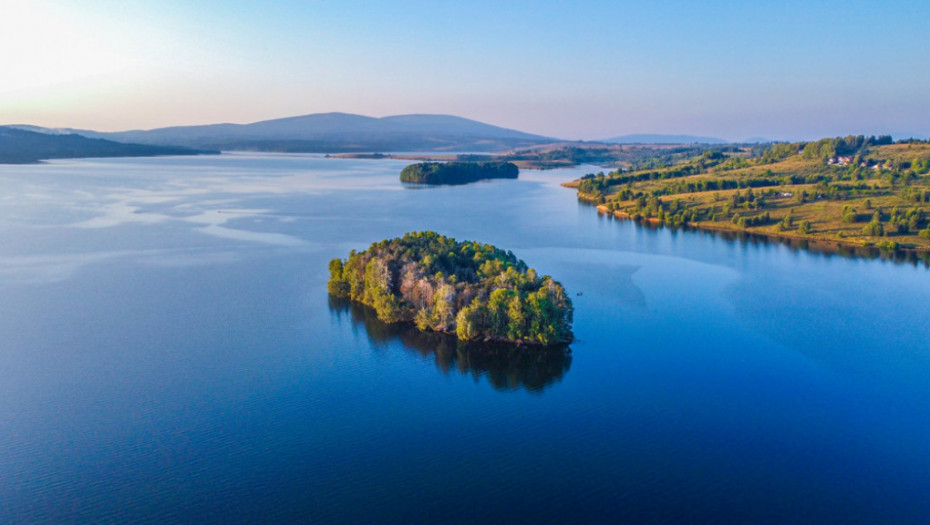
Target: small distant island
<point>476,291</point>
<point>457,172</point>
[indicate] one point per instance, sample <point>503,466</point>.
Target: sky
<point>787,70</point>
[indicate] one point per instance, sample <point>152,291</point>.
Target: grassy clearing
<point>882,198</point>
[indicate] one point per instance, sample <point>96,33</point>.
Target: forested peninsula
<point>855,191</point>
<point>473,290</point>
<point>457,172</point>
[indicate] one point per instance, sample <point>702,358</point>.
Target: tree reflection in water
<point>812,245</point>
<point>507,367</point>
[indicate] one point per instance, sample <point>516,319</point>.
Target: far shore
<point>453,157</point>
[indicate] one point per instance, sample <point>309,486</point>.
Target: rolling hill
<point>21,146</point>
<point>855,191</point>
<point>335,133</point>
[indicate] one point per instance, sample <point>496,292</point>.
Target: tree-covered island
<point>473,290</point>
<point>457,172</point>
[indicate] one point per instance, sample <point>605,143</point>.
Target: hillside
<point>19,146</point>
<point>854,191</point>
<point>336,132</point>
<point>653,138</point>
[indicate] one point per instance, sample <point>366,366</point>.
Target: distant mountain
<point>19,146</point>
<point>757,140</point>
<point>645,138</point>
<point>337,133</point>
<point>46,131</point>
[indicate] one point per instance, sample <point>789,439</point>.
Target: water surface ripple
<point>168,353</point>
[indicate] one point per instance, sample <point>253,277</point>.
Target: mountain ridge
<point>331,133</point>
<point>24,146</point>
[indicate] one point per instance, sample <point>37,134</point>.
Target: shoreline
<point>810,243</point>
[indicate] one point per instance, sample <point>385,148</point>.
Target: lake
<point>168,353</point>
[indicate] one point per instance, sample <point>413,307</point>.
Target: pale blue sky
<point>583,70</point>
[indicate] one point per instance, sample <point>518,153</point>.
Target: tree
<point>470,321</point>
<point>498,305</point>
<point>443,311</point>
<point>516,326</point>
<point>337,285</point>
<point>874,229</point>
<point>787,222</point>
<point>849,214</point>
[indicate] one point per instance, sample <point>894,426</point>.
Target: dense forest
<point>457,172</point>
<point>857,190</point>
<point>473,290</point>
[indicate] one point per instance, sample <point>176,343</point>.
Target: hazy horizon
<point>602,69</point>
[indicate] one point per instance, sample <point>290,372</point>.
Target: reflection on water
<point>818,246</point>
<point>507,367</point>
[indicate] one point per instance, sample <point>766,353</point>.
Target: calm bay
<point>168,353</point>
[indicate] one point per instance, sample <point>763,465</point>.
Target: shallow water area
<point>169,354</point>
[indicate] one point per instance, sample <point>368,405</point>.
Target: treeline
<point>635,157</point>
<point>474,290</point>
<point>823,148</point>
<point>663,157</point>
<point>672,164</point>
<point>599,184</point>
<point>457,172</point>
<point>567,155</point>
<point>849,145</point>
<point>749,209</point>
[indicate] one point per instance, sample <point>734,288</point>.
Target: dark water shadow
<point>506,367</point>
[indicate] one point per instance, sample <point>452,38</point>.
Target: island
<point>855,191</point>
<point>457,172</point>
<point>476,291</point>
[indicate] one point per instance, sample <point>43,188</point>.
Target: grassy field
<point>879,196</point>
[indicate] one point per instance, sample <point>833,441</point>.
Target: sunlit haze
<point>782,70</point>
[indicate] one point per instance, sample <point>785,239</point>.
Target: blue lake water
<point>168,353</point>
